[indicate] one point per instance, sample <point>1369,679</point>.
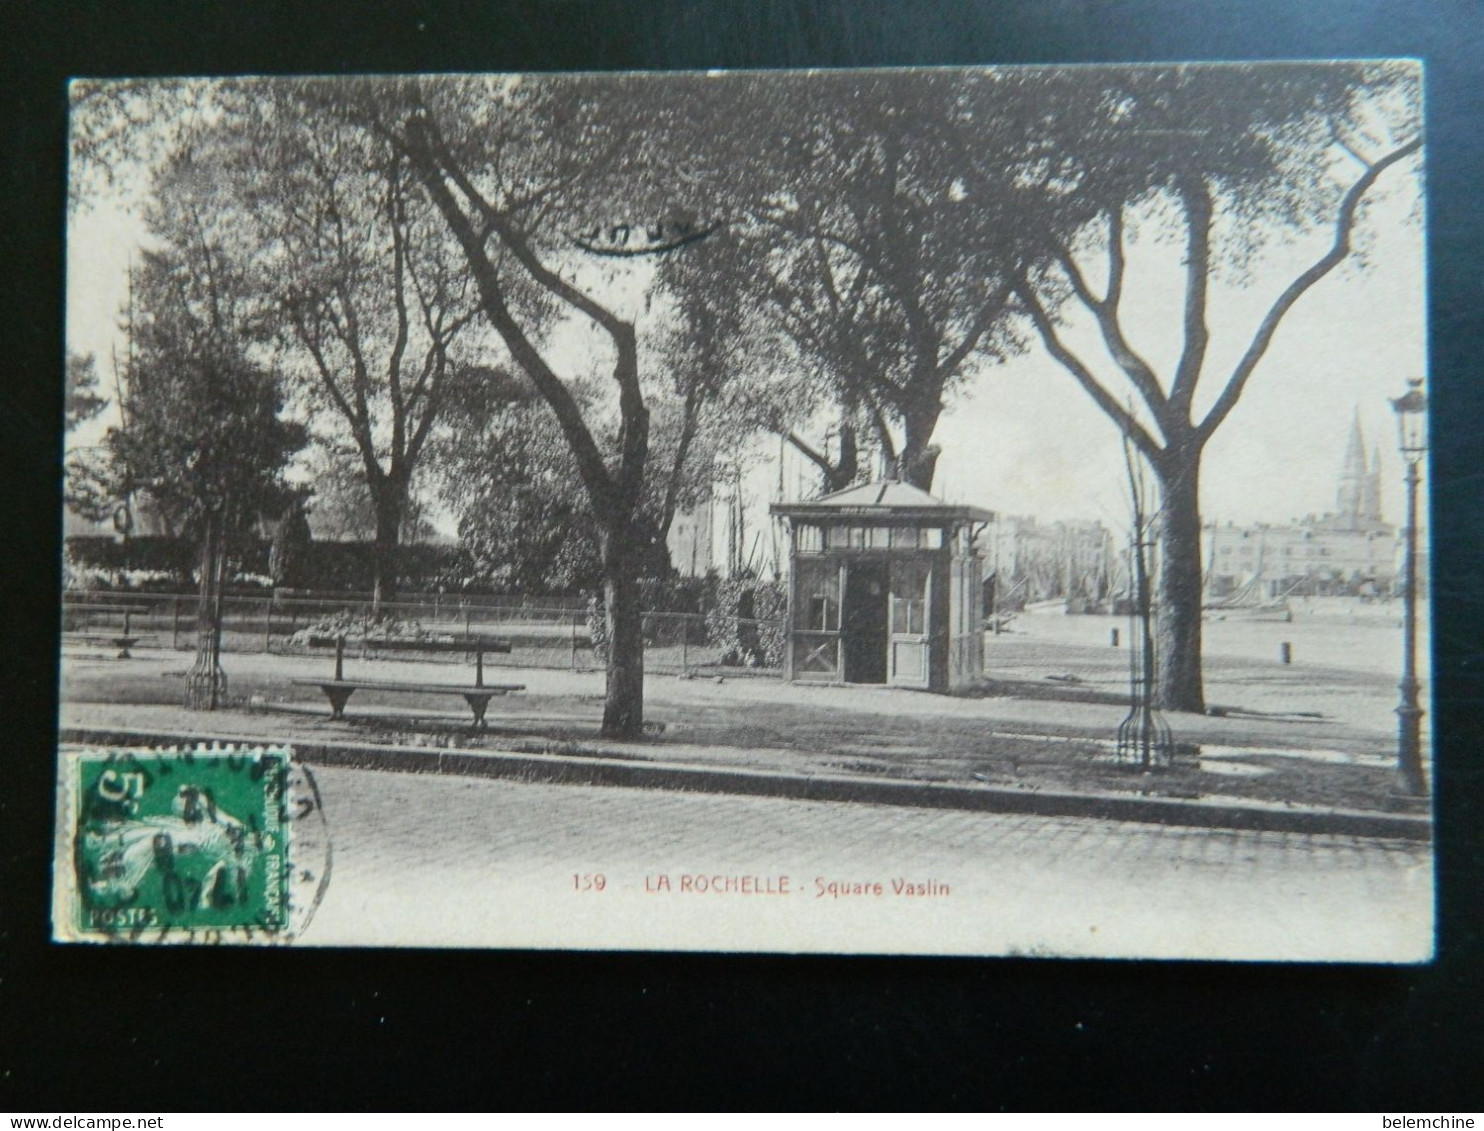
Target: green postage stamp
<point>193,845</point>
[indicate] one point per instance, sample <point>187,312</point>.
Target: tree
<point>92,489</point>
<point>357,275</point>
<point>82,400</point>
<point>206,440</point>
<point>524,513</point>
<point>1228,158</point>
<point>340,506</point>
<point>790,377</point>
<point>511,167</point>
<point>512,485</point>
<point>724,377</point>
<point>613,489</point>
<point>888,264</point>
<point>524,517</point>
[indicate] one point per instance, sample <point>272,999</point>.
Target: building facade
<point>1352,551</point>
<point>1028,561</point>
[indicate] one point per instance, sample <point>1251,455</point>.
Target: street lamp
<point>1411,422</point>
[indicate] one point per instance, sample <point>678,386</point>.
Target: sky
<point>1021,437</point>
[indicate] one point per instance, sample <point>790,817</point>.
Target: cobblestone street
<point>447,861</point>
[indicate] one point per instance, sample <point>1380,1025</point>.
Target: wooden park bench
<point>122,640</point>
<point>339,690</point>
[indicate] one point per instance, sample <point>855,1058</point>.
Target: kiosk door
<point>865,621</point>
<point>907,659</point>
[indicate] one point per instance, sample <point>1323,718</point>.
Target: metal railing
<point>540,636</point>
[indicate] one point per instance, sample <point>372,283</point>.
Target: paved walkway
<point>89,681</point>
<point>1365,701</point>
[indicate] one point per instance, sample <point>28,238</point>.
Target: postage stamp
<point>187,845</point>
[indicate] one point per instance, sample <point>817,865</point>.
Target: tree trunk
<point>918,462</point>
<point>389,498</point>
<point>848,465</point>
<point>623,704</point>
<point>1178,686</point>
<point>839,474</point>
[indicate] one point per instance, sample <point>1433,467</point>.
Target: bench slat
<point>436,688</point>
<point>339,691</point>
<point>113,640</point>
<point>457,644</point>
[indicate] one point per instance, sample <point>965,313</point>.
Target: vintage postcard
<point>930,511</point>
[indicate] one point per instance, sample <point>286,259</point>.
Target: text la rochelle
<point>821,887</point>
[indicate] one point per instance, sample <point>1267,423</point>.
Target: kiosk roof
<point>885,498</point>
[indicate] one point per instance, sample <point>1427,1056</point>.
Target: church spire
<point>1370,508</point>
<point>1351,500</point>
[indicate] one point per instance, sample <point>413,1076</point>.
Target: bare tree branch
<point>1344,223</point>
<point>813,455</point>
<point>988,315</point>
<point>1196,199</point>
<point>431,172</point>
<point>1105,312</point>
<point>1075,366</point>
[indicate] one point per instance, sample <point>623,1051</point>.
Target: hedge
<point>344,567</point>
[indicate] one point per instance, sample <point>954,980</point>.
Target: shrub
<point>746,622</point>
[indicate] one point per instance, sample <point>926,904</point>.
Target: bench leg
<point>337,697</point>
<point>478,704</point>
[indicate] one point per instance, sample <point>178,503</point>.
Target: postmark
<point>222,844</point>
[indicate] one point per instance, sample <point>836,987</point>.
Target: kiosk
<point>884,587</point>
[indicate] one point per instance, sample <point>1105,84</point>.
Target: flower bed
<point>361,628</point>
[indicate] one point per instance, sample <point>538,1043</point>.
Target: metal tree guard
<point>206,682</point>
<point>1144,739</point>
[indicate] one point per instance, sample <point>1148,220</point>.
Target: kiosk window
<point>904,537</point>
<point>818,594</point>
<point>909,593</point>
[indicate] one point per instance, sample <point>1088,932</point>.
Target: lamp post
<point>1411,420</point>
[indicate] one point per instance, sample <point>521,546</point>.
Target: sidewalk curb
<point>549,769</point>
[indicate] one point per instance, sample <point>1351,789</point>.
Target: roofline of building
<point>945,512</point>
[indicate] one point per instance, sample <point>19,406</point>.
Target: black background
<point>82,1028</point>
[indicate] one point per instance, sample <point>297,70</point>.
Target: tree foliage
<point>120,129</point>
<point>204,432</point>
<point>82,402</point>
<point>886,209</point>
<point>512,486</point>
<point>289,551</point>
<point>1227,160</point>
<point>514,167</point>
<point>92,487</point>
<point>356,276</point>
